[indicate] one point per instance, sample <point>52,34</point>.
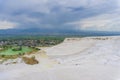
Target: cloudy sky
<point>94,15</point>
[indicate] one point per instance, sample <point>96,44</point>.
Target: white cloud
<point>44,13</point>
<point>103,22</point>
<point>84,3</point>
<point>28,19</point>
<point>45,5</point>
<point>7,25</point>
<point>33,5</point>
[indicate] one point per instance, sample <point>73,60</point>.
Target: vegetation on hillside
<point>13,47</point>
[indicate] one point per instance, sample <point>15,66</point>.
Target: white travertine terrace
<point>88,58</point>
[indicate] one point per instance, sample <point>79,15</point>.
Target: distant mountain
<point>36,31</point>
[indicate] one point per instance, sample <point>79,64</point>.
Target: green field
<point>9,51</point>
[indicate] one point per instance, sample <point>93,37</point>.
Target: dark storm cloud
<point>52,14</point>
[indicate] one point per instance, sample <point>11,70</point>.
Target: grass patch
<point>10,51</point>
